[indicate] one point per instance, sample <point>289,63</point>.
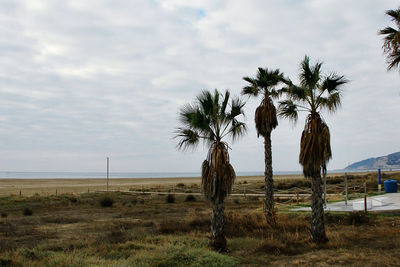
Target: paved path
<point>390,201</point>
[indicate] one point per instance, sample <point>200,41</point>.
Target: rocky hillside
<point>391,161</point>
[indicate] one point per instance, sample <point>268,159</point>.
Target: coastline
<point>47,186</point>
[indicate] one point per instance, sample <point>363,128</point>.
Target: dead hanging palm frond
<point>315,149</point>
<point>217,173</point>
<point>265,117</point>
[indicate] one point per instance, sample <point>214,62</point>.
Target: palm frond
<point>315,150</point>
<point>394,60</point>
<point>296,93</point>
<point>224,103</point>
<point>252,89</point>
<point>188,138</point>
<point>394,14</point>
<point>391,40</point>
<point>309,75</point>
<point>332,102</point>
<point>205,103</point>
<point>237,129</point>
<point>288,109</point>
<point>332,83</point>
<point>236,108</point>
<point>217,174</point>
<point>265,117</point>
<point>193,117</point>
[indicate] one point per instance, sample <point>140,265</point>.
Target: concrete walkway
<point>384,202</point>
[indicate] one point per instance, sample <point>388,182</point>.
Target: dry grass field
<point>145,230</point>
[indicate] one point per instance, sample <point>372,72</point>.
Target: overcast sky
<point>83,80</point>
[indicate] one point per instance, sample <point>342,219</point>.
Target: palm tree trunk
<point>269,183</point>
<point>218,240</point>
<point>318,234</point>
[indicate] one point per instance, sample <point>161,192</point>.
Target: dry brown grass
<point>69,229</point>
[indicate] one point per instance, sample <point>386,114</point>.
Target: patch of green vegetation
<point>184,256</point>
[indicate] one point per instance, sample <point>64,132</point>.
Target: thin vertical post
<point>345,188</point>
<point>379,181</point>
<point>108,171</point>
<point>365,197</point>
<point>325,201</point>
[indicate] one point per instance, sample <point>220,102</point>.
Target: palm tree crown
<point>210,118</point>
<point>391,40</point>
<point>314,93</point>
<point>264,83</point>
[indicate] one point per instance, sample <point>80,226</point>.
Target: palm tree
<point>315,93</point>
<point>391,41</point>
<point>210,119</point>
<point>264,84</point>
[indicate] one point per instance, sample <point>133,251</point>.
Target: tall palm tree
<point>210,119</point>
<point>391,41</point>
<point>264,84</point>
<point>314,93</point>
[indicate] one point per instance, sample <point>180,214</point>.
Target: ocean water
<point>82,175</point>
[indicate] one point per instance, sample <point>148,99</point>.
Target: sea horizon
<point>99,175</point>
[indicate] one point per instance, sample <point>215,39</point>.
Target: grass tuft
<point>106,201</point>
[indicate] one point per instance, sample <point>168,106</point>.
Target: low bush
<point>27,211</point>
<point>106,201</point>
<point>4,215</point>
<point>190,198</point>
<point>170,199</point>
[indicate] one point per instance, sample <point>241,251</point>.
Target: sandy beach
<point>29,187</point>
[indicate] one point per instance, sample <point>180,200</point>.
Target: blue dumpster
<point>390,186</point>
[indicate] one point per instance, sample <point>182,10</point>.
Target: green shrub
<point>73,199</point>
<point>236,201</point>
<point>190,198</point>
<point>134,201</point>
<point>4,215</point>
<point>170,198</point>
<point>183,256</point>
<point>106,201</point>
<point>27,211</point>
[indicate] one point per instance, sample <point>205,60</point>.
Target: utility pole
<point>108,171</point>
<point>345,188</point>
<point>379,181</point>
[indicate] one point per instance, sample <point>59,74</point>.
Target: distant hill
<point>391,161</point>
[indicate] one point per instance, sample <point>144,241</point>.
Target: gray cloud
<point>81,80</point>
